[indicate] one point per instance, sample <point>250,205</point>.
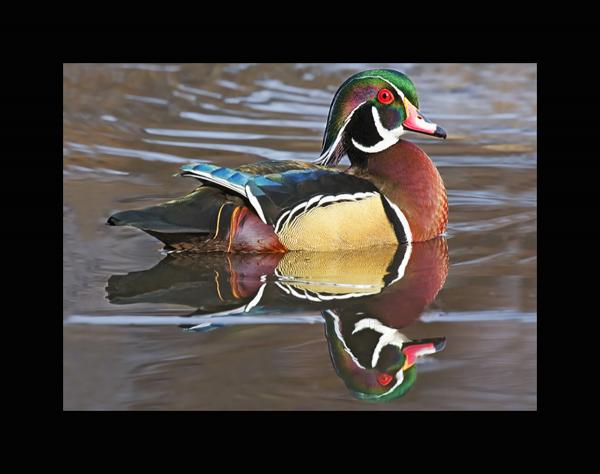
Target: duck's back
<point>271,207</point>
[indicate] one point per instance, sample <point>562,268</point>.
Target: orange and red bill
<point>416,122</point>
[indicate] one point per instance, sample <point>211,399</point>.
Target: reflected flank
<point>364,297</point>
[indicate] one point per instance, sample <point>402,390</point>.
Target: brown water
<point>127,129</point>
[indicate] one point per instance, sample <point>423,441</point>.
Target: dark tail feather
<point>155,219</point>
<point>141,219</point>
<point>190,218</point>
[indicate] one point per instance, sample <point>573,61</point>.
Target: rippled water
<point>127,129</point>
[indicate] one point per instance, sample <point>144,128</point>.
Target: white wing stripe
<point>213,179</point>
<point>255,204</point>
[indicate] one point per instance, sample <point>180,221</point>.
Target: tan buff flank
<point>339,226</point>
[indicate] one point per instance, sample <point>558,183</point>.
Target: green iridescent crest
<point>396,78</point>
<point>362,88</point>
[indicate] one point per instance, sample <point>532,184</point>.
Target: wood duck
<point>392,192</point>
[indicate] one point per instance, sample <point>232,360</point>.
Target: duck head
<point>375,361</point>
<point>370,112</point>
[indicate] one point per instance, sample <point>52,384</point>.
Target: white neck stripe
<point>388,137</point>
<point>389,336</point>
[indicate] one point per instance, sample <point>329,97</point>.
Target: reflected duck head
<point>376,362</point>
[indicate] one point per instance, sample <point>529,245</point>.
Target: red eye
<point>384,379</point>
<point>385,96</point>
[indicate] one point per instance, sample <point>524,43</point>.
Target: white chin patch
<point>388,137</point>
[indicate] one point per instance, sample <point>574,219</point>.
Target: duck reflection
<point>364,297</point>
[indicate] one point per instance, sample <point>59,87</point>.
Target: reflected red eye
<point>384,379</point>
<point>385,96</point>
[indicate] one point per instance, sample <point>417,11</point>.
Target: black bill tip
<point>439,344</point>
<point>440,132</point>
<point>112,221</point>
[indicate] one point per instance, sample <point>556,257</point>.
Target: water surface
<point>127,129</point>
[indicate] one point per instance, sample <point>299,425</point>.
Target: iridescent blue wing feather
<point>227,178</point>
